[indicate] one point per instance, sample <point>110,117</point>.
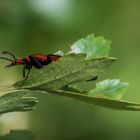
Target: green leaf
<point>109,88</point>
<point>69,69</point>
<point>100,101</point>
<point>59,53</point>
<point>18,135</point>
<point>92,46</point>
<point>14,100</point>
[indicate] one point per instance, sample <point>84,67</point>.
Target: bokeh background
<point>46,26</point>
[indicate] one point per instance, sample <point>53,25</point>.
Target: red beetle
<point>34,60</point>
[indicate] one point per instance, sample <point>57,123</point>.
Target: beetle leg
<point>24,68</point>
<point>29,70</point>
<point>24,71</point>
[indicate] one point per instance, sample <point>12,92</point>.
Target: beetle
<point>33,60</point>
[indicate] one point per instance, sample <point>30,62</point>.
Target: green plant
<point>86,59</point>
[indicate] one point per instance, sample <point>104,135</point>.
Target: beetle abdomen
<point>39,60</point>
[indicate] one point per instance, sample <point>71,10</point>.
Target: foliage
<point>87,58</point>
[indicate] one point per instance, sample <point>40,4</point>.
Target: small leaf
<point>92,46</point>
<point>18,135</point>
<point>59,53</point>
<point>14,101</point>
<point>68,69</point>
<point>109,88</point>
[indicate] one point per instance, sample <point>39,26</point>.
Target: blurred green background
<point>46,26</point>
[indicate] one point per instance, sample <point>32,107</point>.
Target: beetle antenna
<point>6,59</point>
<point>9,53</point>
<point>10,65</point>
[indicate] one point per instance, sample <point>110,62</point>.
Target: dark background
<point>46,26</point>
